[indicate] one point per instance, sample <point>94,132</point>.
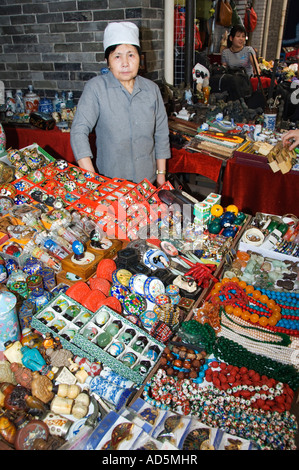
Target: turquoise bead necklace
<point>289,304</point>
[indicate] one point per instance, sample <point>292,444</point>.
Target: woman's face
<point>124,62</point>
<point>238,40</point>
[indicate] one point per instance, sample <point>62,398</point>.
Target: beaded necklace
<point>255,333</point>
<point>216,408</point>
<point>276,311</point>
<point>280,353</point>
<point>234,353</point>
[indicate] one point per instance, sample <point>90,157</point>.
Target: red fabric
<point>255,189</point>
<point>265,81</point>
<point>55,142</point>
<point>183,161</point>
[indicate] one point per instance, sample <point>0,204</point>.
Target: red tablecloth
<point>183,161</point>
<point>256,189</point>
<point>55,142</point>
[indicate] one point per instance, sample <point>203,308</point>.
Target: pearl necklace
<point>279,353</point>
<point>256,333</point>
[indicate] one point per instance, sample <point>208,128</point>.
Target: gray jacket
<point>131,129</point>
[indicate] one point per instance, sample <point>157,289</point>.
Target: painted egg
<point>60,305</point>
<point>90,333</point>
<point>125,337</point>
<point>21,185</point>
<point>70,186</point>
<point>37,176</point>
<point>83,319</point>
<point>72,311</point>
<point>112,329</point>
<point>46,317</point>
<point>61,164</point>
<point>69,334</point>
<point>104,339</point>
<point>116,348</point>
<point>58,325</point>
<point>7,189</point>
<point>21,199</point>
<point>78,247</point>
<point>102,317</point>
<point>129,359</point>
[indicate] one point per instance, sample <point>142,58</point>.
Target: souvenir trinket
<point>121,276</point>
<point>153,286</point>
<point>116,348</point>
<point>134,304</point>
<point>119,291</point>
<point>148,318</point>
<point>136,283</point>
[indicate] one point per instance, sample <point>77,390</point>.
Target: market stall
<point>135,317</point>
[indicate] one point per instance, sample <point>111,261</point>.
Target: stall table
<point>253,187</point>
<point>55,142</point>
<point>184,161</point>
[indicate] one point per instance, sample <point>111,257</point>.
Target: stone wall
<point>57,45</point>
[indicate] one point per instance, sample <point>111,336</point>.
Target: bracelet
<point>160,172</point>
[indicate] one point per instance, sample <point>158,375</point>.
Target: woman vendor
<point>237,54</point>
<point>238,65</point>
<point>127,113</point>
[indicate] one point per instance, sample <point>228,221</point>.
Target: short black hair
<point>235,29</point>
<point>112,48</point>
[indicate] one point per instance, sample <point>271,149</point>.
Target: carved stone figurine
<point>22,375</point>
<point>41,387</point>
<point>60,357</point>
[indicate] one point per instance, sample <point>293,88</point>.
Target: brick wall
<point>57,45</point>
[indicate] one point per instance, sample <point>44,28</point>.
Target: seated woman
<point>239,62</point>
<point>237,54</point>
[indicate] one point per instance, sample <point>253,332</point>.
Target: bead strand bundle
<point>276,311</point>
<point>232,352</point>
<point>217,408</point>
<point>245,301</point>
<point>248,387</point>
<point>254,340</point>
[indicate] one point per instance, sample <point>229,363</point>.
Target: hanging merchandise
<point>224,13</point>
<point>236,19</point>
<point>204,9</point>
<point>250,19</point>
<point>180,27</point>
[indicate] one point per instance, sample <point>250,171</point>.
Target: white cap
<point>121,33</point>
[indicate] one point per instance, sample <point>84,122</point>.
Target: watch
<point>160,172</point>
